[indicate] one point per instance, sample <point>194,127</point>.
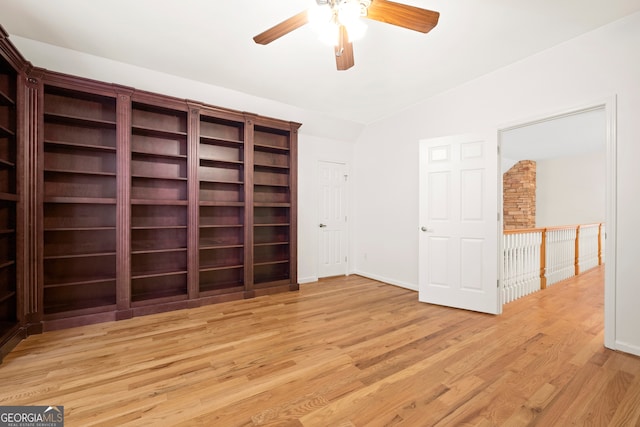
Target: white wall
<point>580,72</point>
<point>93,67</point>
<point>570,190</point>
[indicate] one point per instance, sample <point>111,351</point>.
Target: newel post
<point>577,259</point>
<point>543,260</point>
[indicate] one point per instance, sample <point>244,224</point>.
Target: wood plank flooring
<point>344,352</point>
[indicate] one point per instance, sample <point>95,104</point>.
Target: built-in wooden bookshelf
<point>221,209</point>
<point>79,202</point>
<point>159,199</point>
<point>116,202</point>
<point>272,206</point>
<point>8,199</point>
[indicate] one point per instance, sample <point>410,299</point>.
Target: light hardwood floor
<point>341,352</point>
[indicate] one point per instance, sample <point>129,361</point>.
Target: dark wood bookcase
<point>79,202</point>
<point>272,206</point>
<point>159,200</point>
<point>221,205</point>
<point>8,201</point>
<point>116,202</point>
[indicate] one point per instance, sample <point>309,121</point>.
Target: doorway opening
<point>585,135</point>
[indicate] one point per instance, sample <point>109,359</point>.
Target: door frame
<point>347,267</point>
<point>610,107</point>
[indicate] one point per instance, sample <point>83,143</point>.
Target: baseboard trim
<point>410,286</point>
<point>311,279</point>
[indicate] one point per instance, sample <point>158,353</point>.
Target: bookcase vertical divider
<point>30,134</point>
<point>293,194</point>
<point>123,204</point>
<point>248,205</point>
<point>193,187</point>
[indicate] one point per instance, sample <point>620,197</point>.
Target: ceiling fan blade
<point>282,28</point>
<point>403,15</point>
<point>344,51</point>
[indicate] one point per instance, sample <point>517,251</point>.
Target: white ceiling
<point>211,41</point>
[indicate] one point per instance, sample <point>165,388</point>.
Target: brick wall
<point>519,196</point>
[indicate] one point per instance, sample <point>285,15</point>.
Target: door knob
<point>426,230</point>
<point>323,225</point>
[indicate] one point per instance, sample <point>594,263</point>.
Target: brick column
<point>519,196</point>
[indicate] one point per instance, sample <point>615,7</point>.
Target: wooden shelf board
<point>7,264</point>
<point>221,204</point>
<point>228,163</point>
<point>220,268</point>
<point>79,146</point>
<point>7,163</point>
<point>78,282</point>
<point>81,200</point>
<point>159,202</point>
<point>210,247</point>
<point>7,231</point>
<point>212,140</point>
<point>222,226</point>
<point>77,256</point>
<point>283,261</point>
<point>217,181</point>
<point>157,251</point>
<point>7,296</point>
<point>153,274</point>
<point>9,197</point>
<point>271,147</point>
<point>159,178</point>
<point>6,100</point>
<point>75,172</point>
<point>259,184</point>
<point>147,131</point>
<point>160,227</point>
<point>266,166</point>
<point>64,229</point>
<point>271,205</point>
<point>271,244</point>
<point>78,308</point>
<point>78,120</point>
<point>272,224</point>
<point>166,156</point>
<point>5,131</point>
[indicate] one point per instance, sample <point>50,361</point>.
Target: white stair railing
<point>521,264</point>
<point>539,257</point>
<point>561,254</point>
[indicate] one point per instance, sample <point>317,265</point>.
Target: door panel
<point>332,219</point>
<point>458,265</point>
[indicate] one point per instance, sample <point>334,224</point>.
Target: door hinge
<point>498,283</point>
<point>498,216</point>
<point>346,177</point>
<point>345,259</point>
<point>498,149</point>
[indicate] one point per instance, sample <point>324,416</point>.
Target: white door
<point>332,218</point>
<point>458,263</point>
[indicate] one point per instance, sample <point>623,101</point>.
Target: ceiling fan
<point>339,20</point>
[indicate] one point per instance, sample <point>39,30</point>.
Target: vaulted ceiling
<point>211,41</point>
